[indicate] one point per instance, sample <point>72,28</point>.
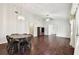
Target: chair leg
<point>11,51</point>
<point>22,49</point>
<point>29,45</point>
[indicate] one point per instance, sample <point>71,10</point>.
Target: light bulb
<point>21,17</point>
<point>47,19</point>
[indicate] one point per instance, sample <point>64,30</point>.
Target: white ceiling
<point>55,10</point>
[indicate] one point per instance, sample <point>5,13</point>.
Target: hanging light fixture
<point>20,17</point>
<point>48,18</point>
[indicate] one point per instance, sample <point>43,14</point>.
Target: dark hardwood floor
<point>46,45</point>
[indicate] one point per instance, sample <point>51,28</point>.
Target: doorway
<point>40,31</point>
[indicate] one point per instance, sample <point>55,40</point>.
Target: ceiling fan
<point>20,17</point>
<point>48,18</point>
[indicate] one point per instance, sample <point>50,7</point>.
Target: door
<point>40,31</point>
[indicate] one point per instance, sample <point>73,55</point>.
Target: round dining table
<point>20,37</point>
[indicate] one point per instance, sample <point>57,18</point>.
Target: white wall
<point>63,28</point>
<point>50,28</point>
<point>2,23</point>
<point>60,27</point>
<point>9,22</point>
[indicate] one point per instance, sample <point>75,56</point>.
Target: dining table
<point>18,37</point>
<point>21,37</point>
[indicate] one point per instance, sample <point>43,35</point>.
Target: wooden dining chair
<point>23,45</point>
<point>12,45</point>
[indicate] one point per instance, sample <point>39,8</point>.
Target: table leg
<point>19,47</point>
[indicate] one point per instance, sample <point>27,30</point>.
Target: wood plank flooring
<point>45,45</point>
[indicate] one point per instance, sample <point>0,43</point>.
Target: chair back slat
<point>8,39</point>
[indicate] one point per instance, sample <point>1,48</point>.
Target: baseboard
<point>72,45</point>
<point>3,42</point>
<point>62,36</point>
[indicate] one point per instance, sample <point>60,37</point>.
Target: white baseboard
<point>62,36</point>
<point>2,42</point>
<point>72,45</point>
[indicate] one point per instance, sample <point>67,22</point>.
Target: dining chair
<point>12,45</point>
<point>30,39</point>
<point>23,45</point>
